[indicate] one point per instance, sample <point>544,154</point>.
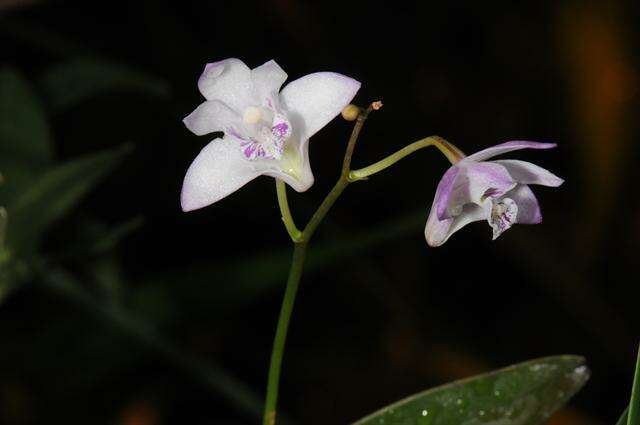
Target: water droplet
<point>536,367</point>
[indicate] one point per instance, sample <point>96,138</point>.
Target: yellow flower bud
<point>350,112</point>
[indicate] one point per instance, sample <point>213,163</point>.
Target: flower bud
<point>350,112</point>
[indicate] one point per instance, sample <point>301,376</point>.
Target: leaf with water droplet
<point>523,394</point>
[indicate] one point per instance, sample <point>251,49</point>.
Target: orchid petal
<point>473,184</point>
<point>228,81</point>
<point>443,192</point>
<point>210,116</point>
<point>267,79</point>
<point>527,173</point>
<point>218,170</point>
<point>528,206</point>
<point>316,99</point>
<point>438,231</point>
<point>506,147</point>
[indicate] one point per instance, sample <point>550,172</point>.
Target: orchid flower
<point>266,131</point>
<point>498,191</point>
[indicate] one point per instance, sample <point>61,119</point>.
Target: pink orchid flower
<point>498,191</point>
<point>266,131</point>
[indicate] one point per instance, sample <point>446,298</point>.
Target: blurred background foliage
<point>116,307</point>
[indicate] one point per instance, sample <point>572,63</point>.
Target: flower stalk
<point>301,241</point>
<point>301,238</point>
<point>293,281</point>
<point>452,153</point>
<point>287,219</point>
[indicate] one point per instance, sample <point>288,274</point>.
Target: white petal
<point>438,231</point>
<point>528,207</point>
<point>527,173</point>
<point>267,79</point>
<point>210,116</point>
<point>507,147</point>
<point>228,81</point>
<point>219,169</point>
<point>316,99</point>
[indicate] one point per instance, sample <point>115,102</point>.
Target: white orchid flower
<point>498,191</point>
<point>266,131</point>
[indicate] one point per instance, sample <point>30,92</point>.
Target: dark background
<point>380,315</point>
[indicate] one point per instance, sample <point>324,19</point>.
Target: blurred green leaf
<point>523,394</point>
<point>25,135</point>
<point>69,83</point>
<point>94,237</point>
<point>211,375</point>
<point>39,37</point>
<point>223,287</point>
<point>54,193</point>
<point>113,236</point>
<point>623,418</point>
<point>3,230</point>
<point>13,274</point>
<point>634,404</point>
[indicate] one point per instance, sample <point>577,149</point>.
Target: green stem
<point>634,404</point>
<point>452,153</point>
<point>289,224</point>
<point>295,273</point>
<point>301,239</point>
<point>342,182</point>
<point>297,263</point>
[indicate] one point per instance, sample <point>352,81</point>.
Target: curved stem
<point>297,263</point>
<point>452,153</point>
<point>342,182</point>
<point>283,203</point>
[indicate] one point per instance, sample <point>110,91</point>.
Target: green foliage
<point>38,192</point>
<point>35,192</point>
<point>209,374</point>
<point>53,193</point>
<point>72,82</point>
<point>24,129</point>
<point>523,394</point>
<point>25,135</point>
<point>624,417</point>
<point>243,282</point>
<point>3,230</point>
<point>634,404</point>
